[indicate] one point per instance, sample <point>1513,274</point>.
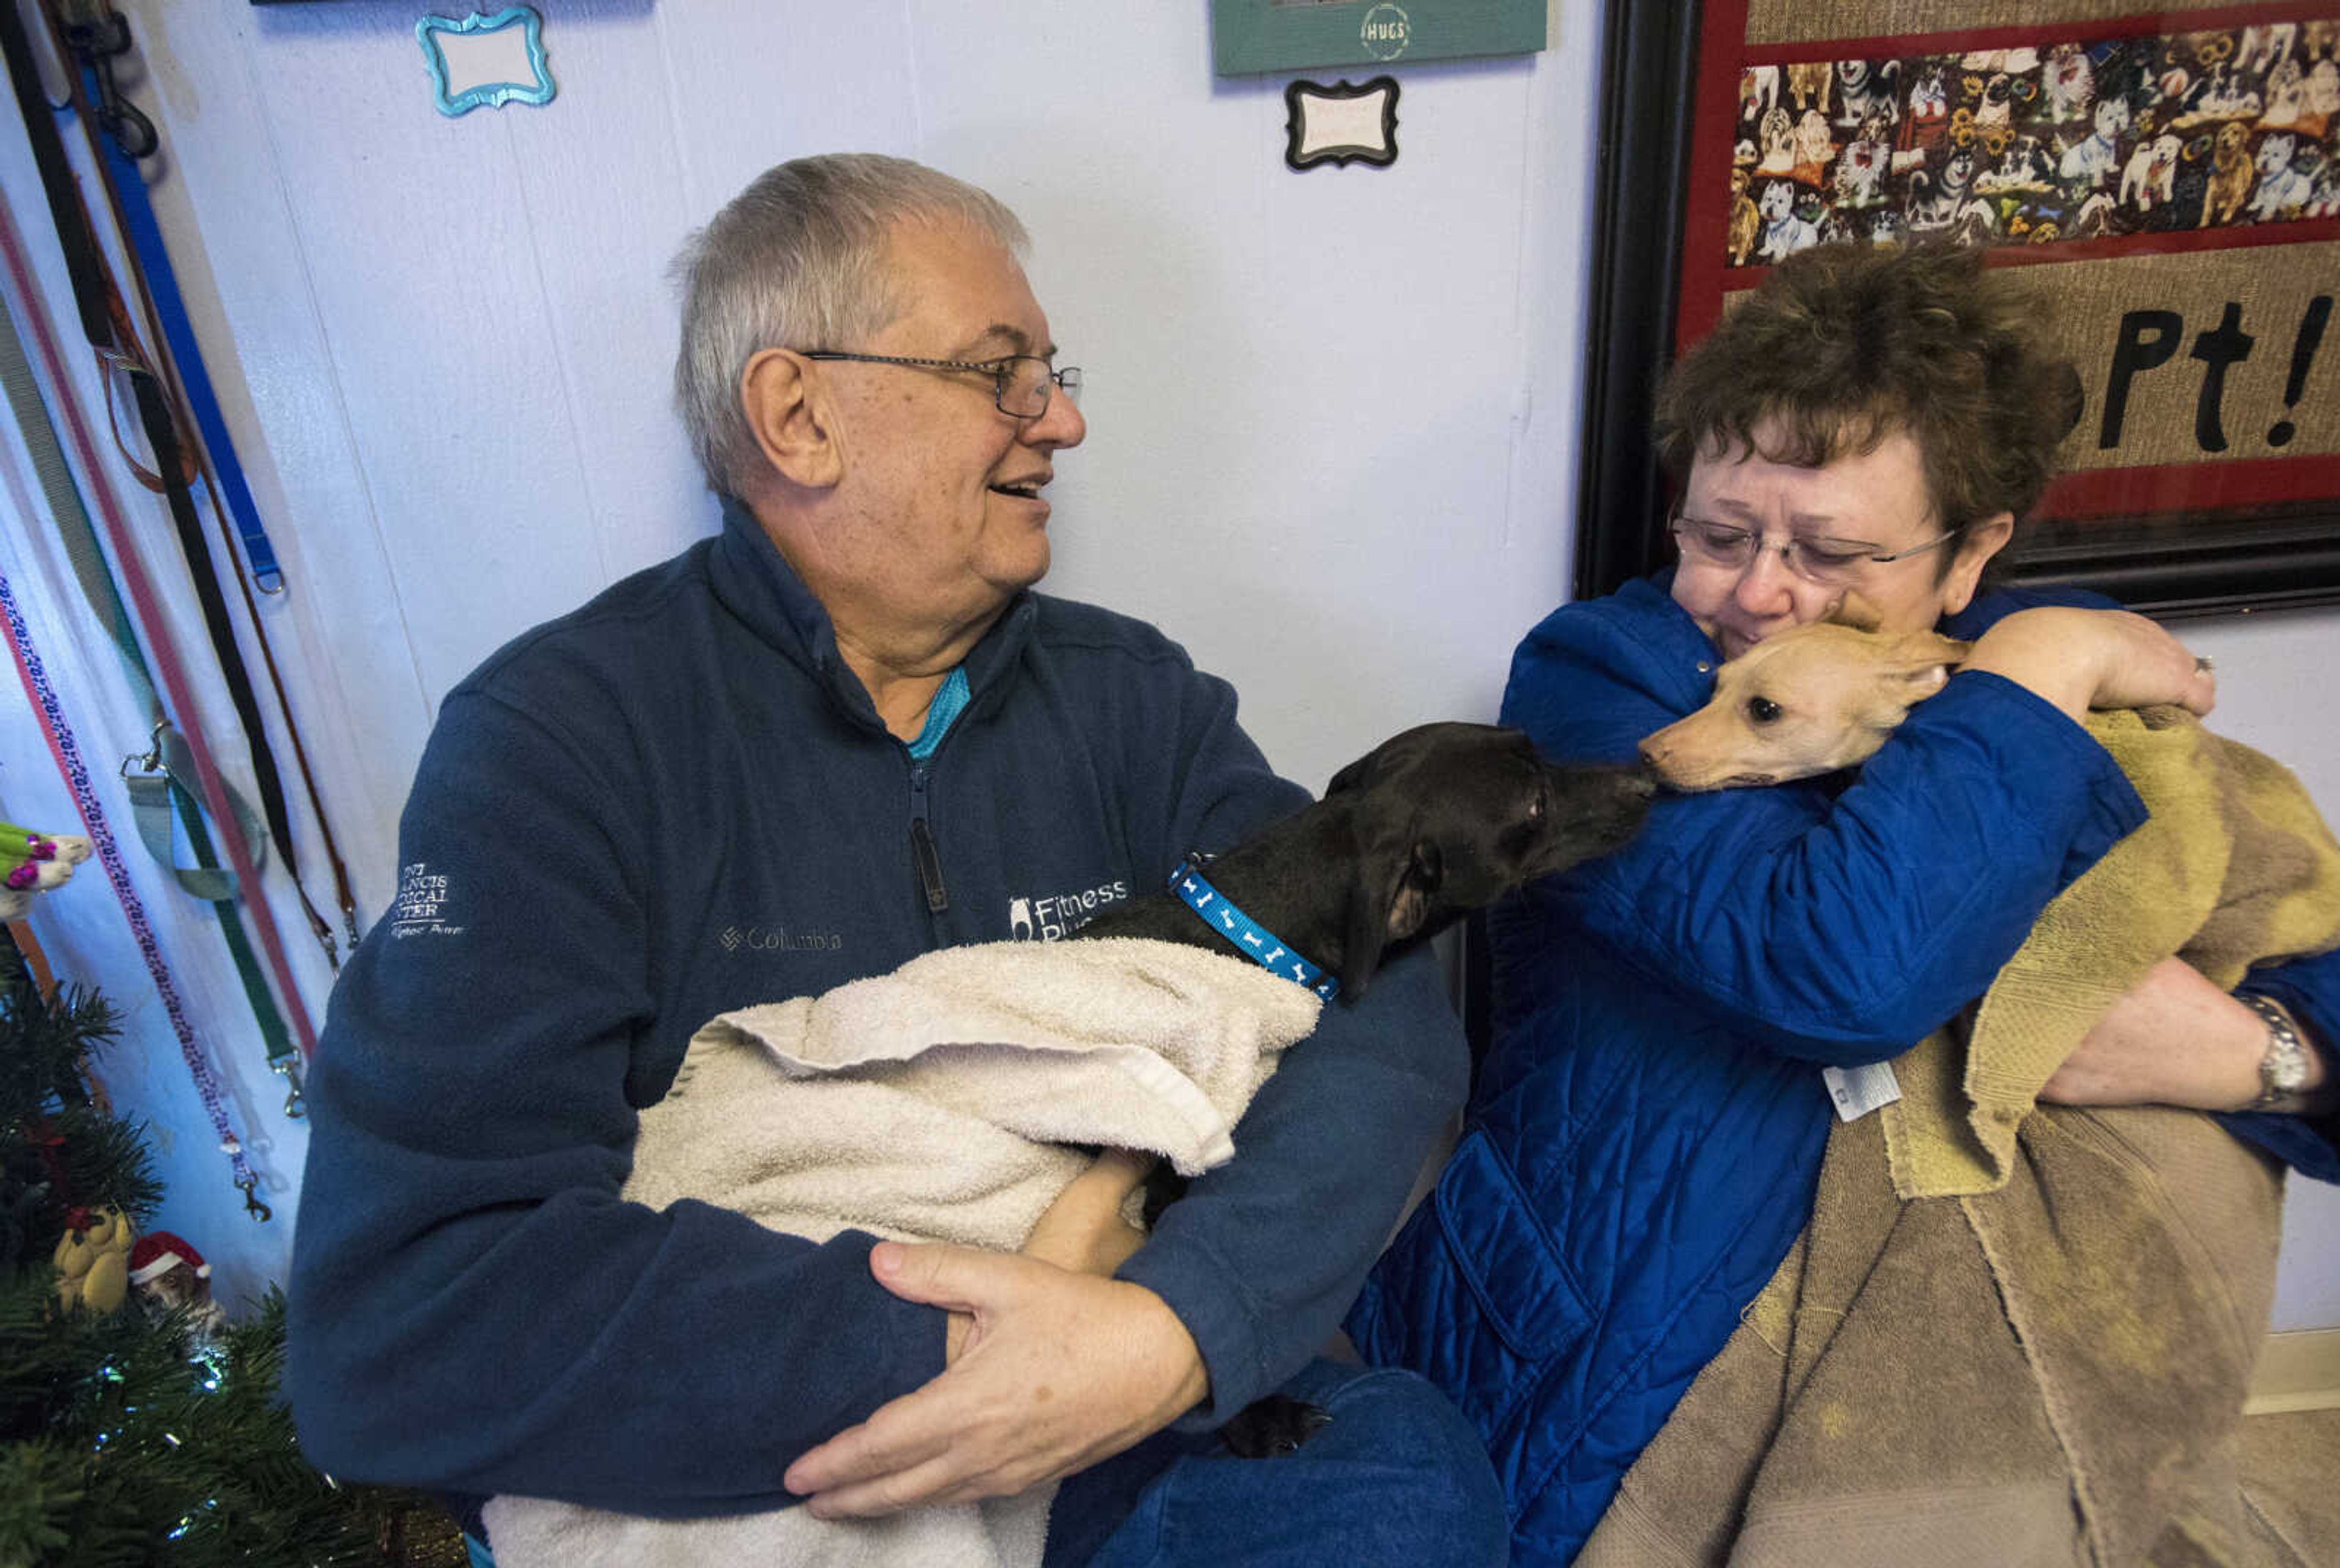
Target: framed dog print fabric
<point>2167,182</point>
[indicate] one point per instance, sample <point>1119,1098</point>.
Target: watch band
<point>2282,1070</point>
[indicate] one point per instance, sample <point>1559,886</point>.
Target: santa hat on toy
<point>158,1253</point>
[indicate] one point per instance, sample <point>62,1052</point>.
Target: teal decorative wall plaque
<point>485,60</point>
<point>1249,36</point>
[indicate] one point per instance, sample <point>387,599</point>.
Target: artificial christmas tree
<point>137,1424</point>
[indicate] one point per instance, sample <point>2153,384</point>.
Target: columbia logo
<point>779,939</point>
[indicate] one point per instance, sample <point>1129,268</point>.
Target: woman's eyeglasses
<point>1831,562</point>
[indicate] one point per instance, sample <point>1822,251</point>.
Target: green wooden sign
<point>1249,36</point>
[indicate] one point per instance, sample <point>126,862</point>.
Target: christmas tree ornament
<point>170,1276</point>
<point>93,1262</point>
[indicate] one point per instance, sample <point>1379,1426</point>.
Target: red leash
<point>176,680</point>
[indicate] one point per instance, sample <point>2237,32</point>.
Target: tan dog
<point>1746,218</point>
<point>1808,81</point>
<point>2230,174</point>
<point>1808,700</point>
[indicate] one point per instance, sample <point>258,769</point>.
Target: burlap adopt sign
<point>1792,21</point>
<point>2203,385</point>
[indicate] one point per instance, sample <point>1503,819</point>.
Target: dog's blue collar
<point>1252,939</point>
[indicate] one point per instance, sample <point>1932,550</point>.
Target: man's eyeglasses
<point>1832,563</point>
<point>1020,383</point>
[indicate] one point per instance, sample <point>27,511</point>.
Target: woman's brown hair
<point>1842,345</point>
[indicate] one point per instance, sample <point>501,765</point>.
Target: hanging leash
<point>153,791</point>
<point>66,750</point>
<point>105,324</point>
<point>231,498</point>
<point>158,285</point>
<point>97,39</point>
<point>1246,935</point>
<point>143,599</point>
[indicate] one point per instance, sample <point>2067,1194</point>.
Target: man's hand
<point>1056,1372</point>
<point>2174,1039</point>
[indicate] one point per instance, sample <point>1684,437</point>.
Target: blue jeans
<point>1396,1477</point>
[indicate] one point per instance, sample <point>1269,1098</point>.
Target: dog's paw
<point>1272,1427</point>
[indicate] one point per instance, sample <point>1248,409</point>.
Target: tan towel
<point>932,1104</point>
<point>2017,1334</point>
<point>2051,1374</point>
<point>2232,867</point>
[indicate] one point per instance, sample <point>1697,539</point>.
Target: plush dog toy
<point>93,1262</point>
<point>170,1276</point>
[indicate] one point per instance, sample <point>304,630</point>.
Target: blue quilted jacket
<point>1646,1135</point>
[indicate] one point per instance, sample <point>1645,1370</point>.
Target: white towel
<point>932,1104</point>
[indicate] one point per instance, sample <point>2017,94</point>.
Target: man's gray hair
<point>797,260</point>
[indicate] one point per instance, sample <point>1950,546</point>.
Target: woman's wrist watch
<point>2283,1070</point>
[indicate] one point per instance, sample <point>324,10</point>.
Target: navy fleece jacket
<point>677,801</point>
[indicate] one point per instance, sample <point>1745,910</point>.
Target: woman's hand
<point>2084,659</point>
<point>2174,1039</point>
<point>1084,1231</point>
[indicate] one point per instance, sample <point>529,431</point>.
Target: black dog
<point>1429,825</point>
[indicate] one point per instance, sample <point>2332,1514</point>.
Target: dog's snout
<point>1640,782</point>
<point>1653,752</point>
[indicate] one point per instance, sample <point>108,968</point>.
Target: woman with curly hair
<point>1647,1137</point>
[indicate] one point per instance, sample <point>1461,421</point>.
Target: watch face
<point>2287,1070</point>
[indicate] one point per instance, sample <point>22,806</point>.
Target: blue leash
<point>163,285</point>
<point>1252,939</point>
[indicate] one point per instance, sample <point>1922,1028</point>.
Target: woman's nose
<point>1765,580</point>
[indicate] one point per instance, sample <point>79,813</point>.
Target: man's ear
<point>788,410</point>
<point>1388,902</point>
<point>1854,612</point>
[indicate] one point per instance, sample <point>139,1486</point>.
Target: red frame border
<point>2124,492</point>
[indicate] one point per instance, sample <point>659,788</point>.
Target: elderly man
<point>839,734</point>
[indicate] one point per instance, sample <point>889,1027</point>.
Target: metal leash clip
<point>295,1107</point>
<point>258,1210</point>
<point>96,36</point>
<point>152,761</point>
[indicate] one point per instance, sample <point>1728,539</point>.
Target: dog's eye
<point>1762,710</point>
<point>1536,807</point>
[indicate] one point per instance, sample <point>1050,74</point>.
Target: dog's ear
<point>1388,902</point>
<point>1926,659</point>
<point>1854,612</point>
<point>1919,663</point>
<point>1391,754</point>
<point>1353,777</point>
